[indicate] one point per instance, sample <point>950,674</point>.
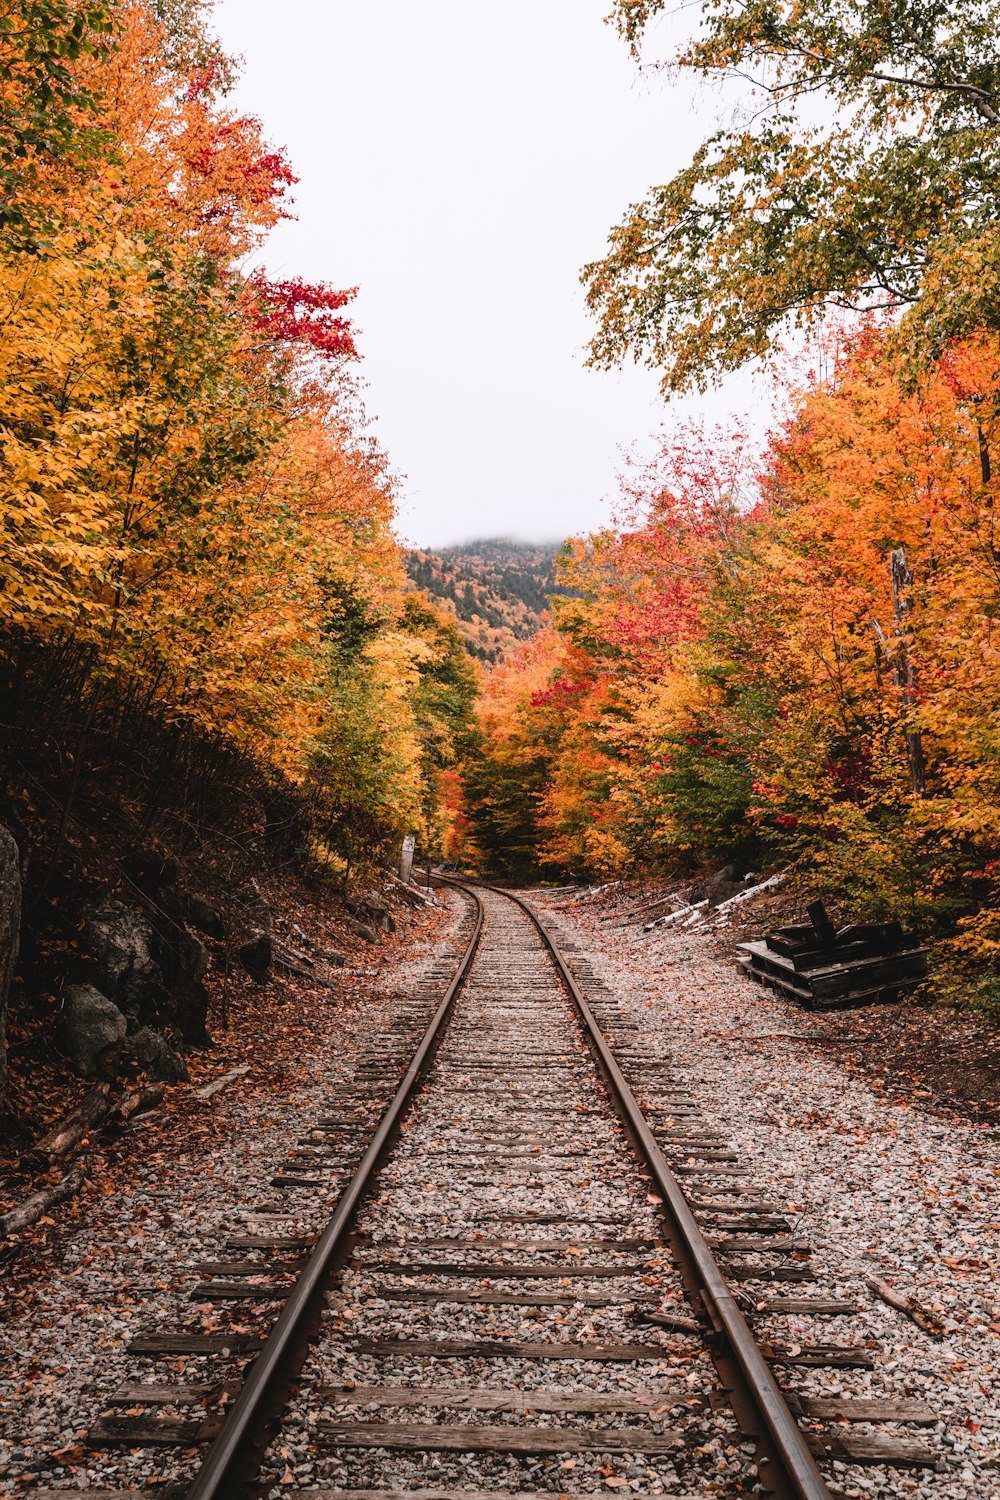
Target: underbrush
<point>112,802</point>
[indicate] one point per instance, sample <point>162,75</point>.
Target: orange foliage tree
<point>195,517</point>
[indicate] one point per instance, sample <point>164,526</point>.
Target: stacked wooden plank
<point>823,967</point>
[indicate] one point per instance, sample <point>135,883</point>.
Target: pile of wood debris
<point>823,967</point>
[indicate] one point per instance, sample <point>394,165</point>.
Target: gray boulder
<point>362,930</point>
<point>158,1060</point>
<point>124,944</point>
<point>716,888</point>
<point>722,885</point>
<point>204,917</point>
<point>255,956</point>
<point>10,930</point>
<point>381,916</point>
<point>92,1030</point>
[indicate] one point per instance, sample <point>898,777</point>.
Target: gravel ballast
<point>511,1141</point>
<point>512,1122</point>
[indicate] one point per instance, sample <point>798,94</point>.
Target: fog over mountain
<point>497,588</point>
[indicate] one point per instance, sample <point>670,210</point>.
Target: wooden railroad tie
<point>431,1437</point>
<point>512,1349</point>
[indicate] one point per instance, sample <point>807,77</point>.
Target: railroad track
<point>531,1282</point>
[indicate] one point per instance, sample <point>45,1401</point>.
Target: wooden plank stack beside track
<point>823,968</point>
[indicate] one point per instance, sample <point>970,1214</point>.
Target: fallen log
<point>592,893</point>
<point>675,916</point>
<point>409,893</point>
<point>580,894</point>
<point>908,1306</point>
<point>71,1129</point>
<point>298,973</point>
<point>209,1089</point>
<point>292,955</point>
<point>770,884</point>
<point>39,1203</point>
<point>698,911</point>
<point>138,1102</point>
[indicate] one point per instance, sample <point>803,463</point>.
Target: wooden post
<point>822,926</point>
<point>903,668</point>
<point>406,859</point>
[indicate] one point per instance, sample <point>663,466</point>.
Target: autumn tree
<point>507,775</point>
<point>863,171</point>
<point>443,705</point>
<point>722,682</point>
<point>49,108</point>
<point>196,526</point>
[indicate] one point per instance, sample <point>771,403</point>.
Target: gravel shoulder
<point>945,1056</point>
<point>880,1185</point>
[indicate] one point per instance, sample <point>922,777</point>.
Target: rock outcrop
<point>151,963</point>
<point>182,956</point>
<point>716,888</point>
<point>255,955</point>
<point>122,941</point>
<point>92,1030</point>
<point>381,916</point>
<point>158,1060</point>
<point>361,930</point>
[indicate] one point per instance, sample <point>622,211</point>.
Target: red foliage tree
<point>303,311</point>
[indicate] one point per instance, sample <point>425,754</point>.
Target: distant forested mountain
<point>497,589</point>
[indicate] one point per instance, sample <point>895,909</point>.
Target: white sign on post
<point>406,858</point>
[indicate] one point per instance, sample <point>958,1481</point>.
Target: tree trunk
<point>903,669</point>
<point>39,1203</point>
<point>985,467</point>
<point>10,931</point>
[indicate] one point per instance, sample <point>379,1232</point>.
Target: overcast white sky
<point>459,163</point>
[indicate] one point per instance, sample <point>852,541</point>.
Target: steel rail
<point>220,1473</point>
<point>786,1463</point>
